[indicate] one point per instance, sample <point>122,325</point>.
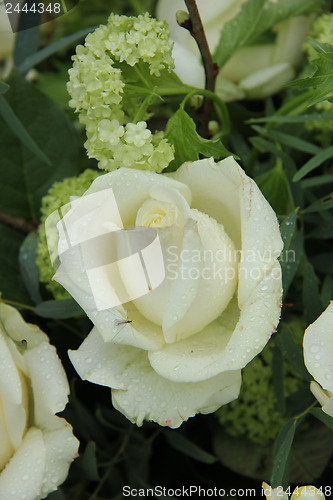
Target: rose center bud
<point>157,214</point>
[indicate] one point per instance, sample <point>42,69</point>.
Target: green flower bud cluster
<point>321,31</point>
<point>112,56</point>
<point>58,196</point>
<point>254,414</point>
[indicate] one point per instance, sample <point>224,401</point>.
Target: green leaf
<point>180,131</point>
<point>315,162</point>
<point>287,345</point>
<point>275,188</point>
<point>185,446</point>
<point>291,119</point>
<point>24,178</point>
<point>239,30</point>
<point>287,230</point>
<point>19,130</point>
<point>277,372</point>
<point>324,203</point>
<point>253,19</point>
<point>310,454</point>
<point>3,88</point>
<point>317,180</point>
<point>28,267</point>
<point>323,262</point>
<point>313,306</point>
<point>300,401</point>
<point>27,36</point>
<point>327,290</point>
<point>288,140</point>
<point>88,463</point>
<point>11,283</point>
<point>323,417</point>
<point>281,452</point>
<point>58,309</point>
<point>321,79</point>
<point>37,57</point>
<point>290,260</point>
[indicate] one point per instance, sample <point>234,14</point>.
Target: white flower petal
<point>318,348</point>
<point>228,343</point>
<point>212,273</point>
<point>132,188</point>
<point>248,60</point>
<point>19,329</point>
<point>110,322</point>
<point>140,393</point>
<point>49,384</point>
<point>61,447</point>
<point>23,476</point>
<point>226,193</point>
<point>188,66</point>
<point>268,80</point>
<point>12,393</point>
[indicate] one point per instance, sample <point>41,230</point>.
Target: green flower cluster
<point>254,414</point>
<point>58,196</point>
<point>321,31</point>
<point>113,55</point>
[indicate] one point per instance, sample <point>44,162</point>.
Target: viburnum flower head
<point>97,89</point>
<point>172,345</point>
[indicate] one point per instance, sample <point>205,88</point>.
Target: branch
<point>17,223</point>
<point>195,27</point>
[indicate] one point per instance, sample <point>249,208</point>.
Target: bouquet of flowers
<point>165,227</point>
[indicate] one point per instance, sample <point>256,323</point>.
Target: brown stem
<point>17,223</point>
<point>196,29</point>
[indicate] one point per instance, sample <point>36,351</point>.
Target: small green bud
<point>183,19</point>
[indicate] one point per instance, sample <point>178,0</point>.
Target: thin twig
<point>17,223</point>
<point>196,29</point>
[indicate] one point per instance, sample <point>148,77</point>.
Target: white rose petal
<point>23,476</point>
<point>140,393</point>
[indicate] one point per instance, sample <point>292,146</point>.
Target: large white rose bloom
<point>255,71</point>
<point>318,357</point>
<point>36,446</point>
<point>178,349</point>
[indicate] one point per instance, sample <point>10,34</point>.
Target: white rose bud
<point>37,447</point>
<point>171,344</point>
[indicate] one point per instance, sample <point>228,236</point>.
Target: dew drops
<point>314,348</point>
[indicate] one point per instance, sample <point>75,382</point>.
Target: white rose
<point>303,493</point>
<point>36,445</point>
<point>178,349</point>
<point>318,357</point>
<point>254,71</point>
